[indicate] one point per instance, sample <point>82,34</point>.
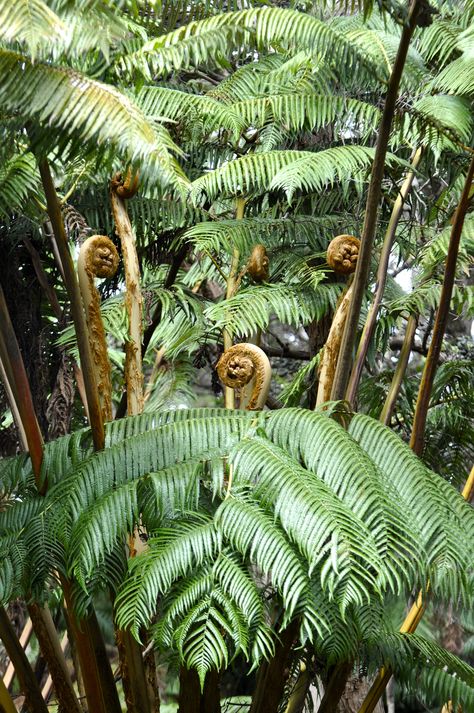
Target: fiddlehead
<point>242,364</point>
<point>133,295</point>
<point>125,187</point>
<point>342,254</point>
<point>258,264</point>
<point>98,257</point>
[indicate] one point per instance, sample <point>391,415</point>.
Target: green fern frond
<point>306,112</point>
<point>416,660</point>
<point>457,77</point>
<point>201,41</point>
<point>327,453</point>
<point>286,170</point>
<point>19,182</point>
<point>174,552</point>
<point>171,104</point>
<point>86,111</point>
<point>252,307</point>
<point>29,21</point>
<point>448,543</point>
<point>321,526</point>
<point>298,231</point>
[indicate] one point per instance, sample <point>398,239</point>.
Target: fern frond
<point>457,77</point>
<point>171,104</point>
<point>321,526</point>
<point>86,111</point>
<point>252,307</point>
<point>202,41</point>
<point>297,231</point>
<point>325,452</point>
<point>287,170</point>
<point>19,182</point>
<point>29,21</point>
<point>174,552</point>
<point>306,112</point>
<point>448,545</point>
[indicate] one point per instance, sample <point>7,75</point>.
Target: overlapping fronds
<point>408,475</point>
<point>294,526</point>
<point>285,170</point>
<point>200,41</point>
<point>86,111</point>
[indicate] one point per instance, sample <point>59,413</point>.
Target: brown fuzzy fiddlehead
<point>125,187</point>
<point>342,254</point>
<point>242,364</point>
<point>98,257</point>
<point>258,264</point>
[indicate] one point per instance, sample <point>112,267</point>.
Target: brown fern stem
<point>28,684</point>
<point>431,364</point>
<point>77,311</point>
<point>371,209</point>
<point>381,280</point>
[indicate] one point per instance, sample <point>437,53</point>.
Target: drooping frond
<point>286,170</point>
<point>174,552</point>
<point>198,42</point>
<point>324,530</point>
<point>408,475</point>
<point>457,77</point>
<point>86,111</point>
<point>18,182</point>
<point>426,668</point>
<point>326,453</point>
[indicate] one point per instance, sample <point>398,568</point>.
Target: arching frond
<point>29,21</point>
<point>286,170</point>
<point>200,41</point>
<point>408,475</point>
<point>86,111</point>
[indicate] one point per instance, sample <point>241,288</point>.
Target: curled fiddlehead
<point>342,254</point>
<point>258,264</point>
<point>125,187</point>
<point>98,257</point>
<point>242,364</point>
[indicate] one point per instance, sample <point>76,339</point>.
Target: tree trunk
<point>272,675</point>
<point>191,699</point>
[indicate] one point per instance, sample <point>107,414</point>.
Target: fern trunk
<point>272,675</point>
<point>192,699</point>
<point>29,685</point>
